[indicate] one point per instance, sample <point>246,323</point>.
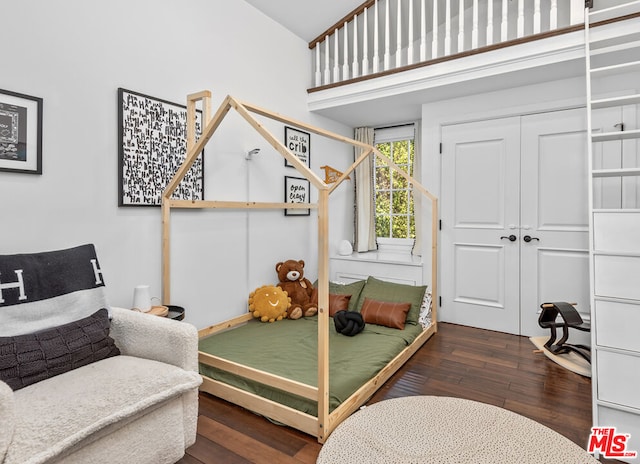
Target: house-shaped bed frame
<point>322,425</point>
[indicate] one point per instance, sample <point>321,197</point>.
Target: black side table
<point>175,312</point>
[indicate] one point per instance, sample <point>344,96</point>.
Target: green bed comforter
<point>288,348</point>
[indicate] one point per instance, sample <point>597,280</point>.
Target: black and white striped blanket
<point>48,289</point>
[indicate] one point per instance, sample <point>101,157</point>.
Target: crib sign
<point>299,143</point>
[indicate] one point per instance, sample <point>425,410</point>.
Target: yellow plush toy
<point>269,303</point>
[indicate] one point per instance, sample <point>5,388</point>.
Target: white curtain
<point>417,196</point>
<point>365,229</point>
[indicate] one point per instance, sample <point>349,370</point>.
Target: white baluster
<point>474,30</point>
<point>345,51</point>
<point>576,12</point>
<point>504,24</point>
<point>460,26</point>
<point>387,55</point>
<point>376,47</point>
<point>490,23</point>
<point>447,28</point>
<point>410,40</point>
<point>318,66</point>
<point>327,71</point>
<point>336,56</point>
<point>365,45</point>
<point>398,33</point>
<point>553,15</point>
<point>423,31</point>
<point>536,17</point>
<point>434,38</point>
<point>520,23</point>
<point>355,66</point>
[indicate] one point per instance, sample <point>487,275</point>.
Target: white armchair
<point>138,407</point>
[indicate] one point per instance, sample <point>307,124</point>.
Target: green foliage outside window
<point>393,194</point>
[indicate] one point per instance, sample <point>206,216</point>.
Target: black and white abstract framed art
<point>296,190</point>
<point>20,133</point>
<point>299,142</point>
<point>152,146</point>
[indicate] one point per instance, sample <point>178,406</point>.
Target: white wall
<point>75,54</point>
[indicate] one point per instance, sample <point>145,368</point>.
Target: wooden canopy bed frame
<point>325,422</point>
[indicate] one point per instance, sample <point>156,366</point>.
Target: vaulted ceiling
<point>306,18</point>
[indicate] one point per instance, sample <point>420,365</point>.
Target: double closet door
<point>514,210</point>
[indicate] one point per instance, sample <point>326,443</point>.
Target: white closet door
<point>480,211</point>
<point>554,214</point>
<point>523,177</point>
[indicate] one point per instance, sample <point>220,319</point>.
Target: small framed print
<point>20,133</point>
<point>299,142</point>
<point>296,190</point>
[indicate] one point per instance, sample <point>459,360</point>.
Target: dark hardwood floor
<point>464,362</point>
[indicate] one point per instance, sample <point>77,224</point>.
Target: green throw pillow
<point>352,289</point>
<point>376,289</point>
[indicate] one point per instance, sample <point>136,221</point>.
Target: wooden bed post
<point>166,251</point>
<point>192,100</point>
<point>323,314</point>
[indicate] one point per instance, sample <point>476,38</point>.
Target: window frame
<point>402,133</point>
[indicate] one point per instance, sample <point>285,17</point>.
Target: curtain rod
<point>395,125</point>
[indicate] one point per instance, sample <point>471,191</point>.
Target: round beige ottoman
<point>432,429</point>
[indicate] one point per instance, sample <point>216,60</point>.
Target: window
<point>393,196</point>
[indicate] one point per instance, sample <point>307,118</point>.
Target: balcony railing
<point>383,35</point>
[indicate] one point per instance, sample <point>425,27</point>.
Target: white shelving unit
<point>615,233</point>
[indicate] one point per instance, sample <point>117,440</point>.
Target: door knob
<point>528,238</point>
<point>511,238</point>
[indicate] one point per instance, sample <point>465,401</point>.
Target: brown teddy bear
<point>304,298</point>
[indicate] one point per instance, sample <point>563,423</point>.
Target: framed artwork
<point>20,133</point>
<point>296,190</point>
<point>299,142</point>
<point>153,145</point>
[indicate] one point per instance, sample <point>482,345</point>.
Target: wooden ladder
<point>612,51</point>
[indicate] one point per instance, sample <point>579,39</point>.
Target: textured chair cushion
<point>30,358</point>
<point>69,411</point>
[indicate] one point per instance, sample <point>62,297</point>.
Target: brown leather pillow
<point>338,303</point>
<point>385,313</point>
